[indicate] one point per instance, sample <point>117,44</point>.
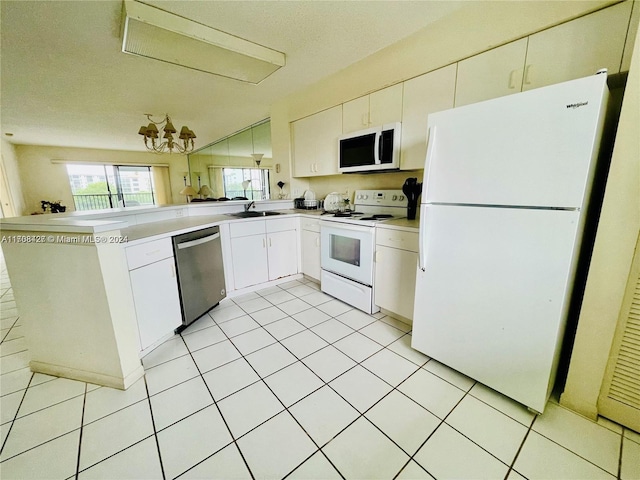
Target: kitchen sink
<point>252,213</point>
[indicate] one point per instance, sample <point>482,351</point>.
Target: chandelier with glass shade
<point>167,143</point>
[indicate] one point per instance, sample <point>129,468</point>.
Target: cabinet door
<point>155,293</point>
<point>283,254</point>
<point>315,143</point>
<point>327,148</point>
<point>491,74</point>
<point>423,95</point>
<point>303,138</point>
<point>249,258</point>
<point>578,48</point>
<point>395,280</point>
<point>385,106</point>
<point>311,254</point>
<point>355,115</point>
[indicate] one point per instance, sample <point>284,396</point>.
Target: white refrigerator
<point>506,188</point>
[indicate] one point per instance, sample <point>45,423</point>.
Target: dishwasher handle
<point>198,241</point>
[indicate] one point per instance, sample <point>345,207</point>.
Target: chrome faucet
<point>247,206</point>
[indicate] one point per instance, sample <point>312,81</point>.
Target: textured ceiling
<point>65,81</point>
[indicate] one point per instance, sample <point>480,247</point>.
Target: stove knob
<point>364,197</point>
<point>401,197</point>
<point>395,197</point>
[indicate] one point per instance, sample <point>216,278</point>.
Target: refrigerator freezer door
<point>490,302</point>
<point>535,148</point>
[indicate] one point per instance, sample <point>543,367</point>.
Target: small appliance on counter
<point>307,202</point>
<point>412,189</point>
<point>333,203</point>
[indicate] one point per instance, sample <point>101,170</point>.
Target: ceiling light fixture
<point>154,33</point>
<point>150,134</point>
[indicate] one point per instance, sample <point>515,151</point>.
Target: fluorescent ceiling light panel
<point>154,33</point>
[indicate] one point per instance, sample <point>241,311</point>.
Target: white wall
<point>11,189</point>
<point>43,180</point>
<point>612,255</point>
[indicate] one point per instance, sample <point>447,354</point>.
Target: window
<point>257,187</point>
<point>95,187</point>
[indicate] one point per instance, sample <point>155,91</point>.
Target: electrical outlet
<point>179,213</point>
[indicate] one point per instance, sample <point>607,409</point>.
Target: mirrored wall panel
<point>226,169</point>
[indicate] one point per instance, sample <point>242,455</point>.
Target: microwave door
<point>358,151</point>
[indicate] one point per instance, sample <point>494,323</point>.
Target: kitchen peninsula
<point>71,278</point>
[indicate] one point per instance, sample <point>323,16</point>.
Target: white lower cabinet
<point>395,271</point>
<point>310,246</point>
<point>249,259</point>
<point>263,250</point>
<point>157,304</point>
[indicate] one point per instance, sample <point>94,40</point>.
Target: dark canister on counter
<point>412,189</point>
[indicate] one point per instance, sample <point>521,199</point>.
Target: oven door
<point>347,250</point>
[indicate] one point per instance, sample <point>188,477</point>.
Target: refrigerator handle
<point>421,237</point>
<point>431,147</point>
<point>376,149</point>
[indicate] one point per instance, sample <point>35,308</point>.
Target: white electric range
<point>347,244</point>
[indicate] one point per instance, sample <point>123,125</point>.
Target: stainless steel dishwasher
<point>200,272</point>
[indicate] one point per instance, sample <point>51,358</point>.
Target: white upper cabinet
<point>378,108</point>
<point>578,48</point>
<point>423,95</point>
<point>315,143</point>
<point>492,74</point>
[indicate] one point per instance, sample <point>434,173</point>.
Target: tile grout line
<point>155,431</point>
<point>233,438</point>
<point>619,475</point>
<point>571,451</point>
<point>515,458</point>
<point>412,457</point>
<point>15,417</point>
<point>9,331</point>
<point>319,449</point>
<point>84,403</point>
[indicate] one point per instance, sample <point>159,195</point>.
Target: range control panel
<point>383,198</point>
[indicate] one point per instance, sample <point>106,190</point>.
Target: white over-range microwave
<point>372,149</point>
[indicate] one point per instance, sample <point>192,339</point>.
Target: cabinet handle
<point>264,243</point>
<point>527,69</point>
<point>365,119</point>
<point>270,241</point>
<point>173,270</point>
<point>318,242</point>
<point>511,82</point>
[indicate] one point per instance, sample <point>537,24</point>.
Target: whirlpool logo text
<point>576,105</point>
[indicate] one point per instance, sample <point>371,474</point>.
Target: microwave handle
<point>376,149</point>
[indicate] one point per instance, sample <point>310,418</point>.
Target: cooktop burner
<point>347,214</point>
<point>381,216</point>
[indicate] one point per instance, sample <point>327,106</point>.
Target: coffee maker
<point>412,189</point>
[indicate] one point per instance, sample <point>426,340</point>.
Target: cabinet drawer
<point>245,228</point>
<point>397,239</point>
<point>310,224</point>
<point>149,252</point>
<point>281,224</point>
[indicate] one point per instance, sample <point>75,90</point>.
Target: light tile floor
<point>288,382</point>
